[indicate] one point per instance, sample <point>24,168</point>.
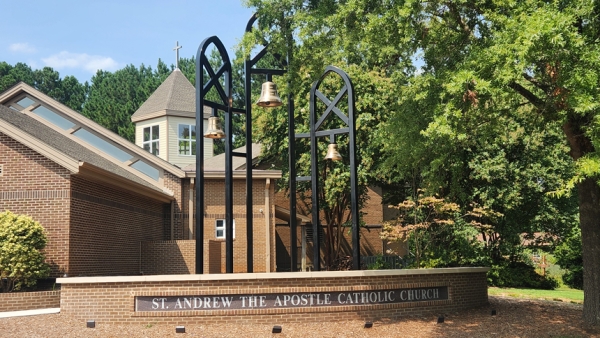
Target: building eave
<point>93,173</point>
<point>167,112</point>
<point>238,174</point>
<point>84,121</point>
<point>42,148</point>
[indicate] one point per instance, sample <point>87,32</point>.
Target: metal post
<point>314,162</point>
<point>225,105</point>
<point>248,71</point>
<point>292,163</point>
<point>249,212</point>
<point>228,181</point>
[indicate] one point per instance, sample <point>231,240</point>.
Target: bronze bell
<point>214,130</point>
<point>332,153</point>
<point>269,96</point>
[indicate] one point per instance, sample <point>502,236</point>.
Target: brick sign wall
<point>257,298</point>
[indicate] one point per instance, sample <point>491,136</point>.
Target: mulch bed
<point>513,318</point>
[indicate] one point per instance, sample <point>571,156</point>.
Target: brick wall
<point>19,301</point>
<point>107,226</point>
<point>370,245</point>
<point>374,213</point>
<point>32,184</point>
<point>179,230</point>
<point>168,257</point>
<point>215,209</point>
<point>106,300</point>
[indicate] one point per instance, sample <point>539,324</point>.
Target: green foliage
<point>379,264</point>
<point>67,91</point>
<point>421,222</point>
<point>21,259</point>
<point>114,97</point>
<point>465,100</point>
<point>569,256</point>
<point>519,274</point>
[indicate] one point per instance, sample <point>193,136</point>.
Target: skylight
<point>52,117</point>
<point>102,145</point>
<point>146,169</point>
<point>25,102</point>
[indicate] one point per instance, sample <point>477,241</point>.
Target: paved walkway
<point>29,312</point>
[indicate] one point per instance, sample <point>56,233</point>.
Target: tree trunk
<point>589,218</point>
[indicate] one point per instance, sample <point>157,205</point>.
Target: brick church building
<point>112,207</point>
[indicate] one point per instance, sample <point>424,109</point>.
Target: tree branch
<point>536,83</point>
<point>532,98</point>
<point>459,20</point>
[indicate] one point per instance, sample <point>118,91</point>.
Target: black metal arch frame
<point>226,105</point>
<point>315,124</point>
<point>248,71</point>
<point>225,94</point>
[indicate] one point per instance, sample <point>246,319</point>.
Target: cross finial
<point>176,49</point>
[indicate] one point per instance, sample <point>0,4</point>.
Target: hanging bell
<point>214,130</point>
<point>332,153</point>
<point>269,96</point>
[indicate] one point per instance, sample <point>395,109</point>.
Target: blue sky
<point>77,37</point>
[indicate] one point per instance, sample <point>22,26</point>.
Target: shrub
<point>21,260</point>
<point>379,264</point>
<point>519,274</point>
<point>570,258</point>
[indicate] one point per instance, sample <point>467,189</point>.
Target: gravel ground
<point>514,318</point>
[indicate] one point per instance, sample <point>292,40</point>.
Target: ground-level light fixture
<point>276,329</point>
<point>268,96</point>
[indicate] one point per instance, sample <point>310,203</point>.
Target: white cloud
<point>21,48</point>
<point>90,63</point>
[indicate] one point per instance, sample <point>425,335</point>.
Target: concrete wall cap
<point>273,275</point>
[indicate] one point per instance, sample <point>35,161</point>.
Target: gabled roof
<point>176,96</point>
<point>23,88</point>
<point>70,154</point>
<point>214,167</point>
<point>218,162</point>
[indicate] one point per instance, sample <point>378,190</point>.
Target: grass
<point>562,294</point>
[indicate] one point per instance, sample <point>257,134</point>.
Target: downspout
<point>303,227</point>
<point>172,220</point>
<point>268,225</point>
<point>191,210</point>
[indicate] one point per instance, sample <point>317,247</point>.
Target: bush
<point>519,274</point>
<point>379,264</point>
<point>569,257</point>
<point>21,260</point>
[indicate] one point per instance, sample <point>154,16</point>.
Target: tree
<point>271,130</point>
<point>569,257</point>
<point>68,91</point>
<point>21,259</point>
<point>465,73</point>
<point>114,97</point>
<point>420,222</point>
<point>10,76</point>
